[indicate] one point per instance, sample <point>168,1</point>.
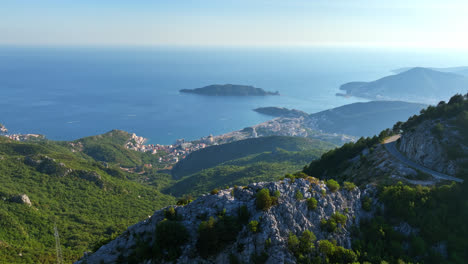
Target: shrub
<point>333,185</point>
<point>277,194</point>
<point>185,200</point>
<point>214,191</point>
<point>170,213</point>
<point>293,242</point>
<point>302,246</point>
<point>336,254</point>
<point>214,235</point>
<point>331,224</point>
<point>267,243</point>
<point>306,242</point>
<point>170,236</point>
<point>438,130</point>
<point>366,203</point>
<point>264,201</point>
<point>349,186</point>
<point>299,196</point>
<point>253,226</point>
<point>311,203</point>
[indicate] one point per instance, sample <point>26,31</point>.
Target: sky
<point>398,23</point>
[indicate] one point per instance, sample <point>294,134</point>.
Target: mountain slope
<point>364,119</point>
<point>231,227</point>
<point>415,85</point>
<point>80,195</point>
<point>215,155</point>
<point>383,220</point>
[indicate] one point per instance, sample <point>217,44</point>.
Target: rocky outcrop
<point>22,199</point>
<point>47,165</point>
<point>424,146</point>
<point>289,215</point>
<point>3,129</point>
<point>91,176</point>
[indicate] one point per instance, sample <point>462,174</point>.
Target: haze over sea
<point>67,93</point>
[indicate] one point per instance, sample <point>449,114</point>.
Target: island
<point>229,90</point>
<point>280,112</point>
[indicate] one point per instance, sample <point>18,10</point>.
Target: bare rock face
<point>289,215</point>
<point>426,148</point>
<point>22,199</point>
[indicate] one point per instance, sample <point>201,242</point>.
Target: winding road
<point>390,145</point>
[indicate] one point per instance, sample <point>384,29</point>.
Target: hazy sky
<point>420,23</point>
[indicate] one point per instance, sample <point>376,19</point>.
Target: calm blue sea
<point>73,92</point>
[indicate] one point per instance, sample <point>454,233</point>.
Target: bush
<point>170,214</point>
<point>214,191</point>
<point>336,254</point>
<point>185,200</point>
<point>214,235</point>
<point>170,236</point>
<point>264,200</point>
<point>299,196</point>
<point>331,224</point>
<point>438,130</point>
<point>293,242</point>
<point>366,203</point>
<point>333,185</point>
<point>349,186</point>
<point>311,203</point>
<point>253,226</point>
<point>303,246</point>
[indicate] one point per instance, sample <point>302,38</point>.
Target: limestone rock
<point>22,199</point>
<point>289,215</point>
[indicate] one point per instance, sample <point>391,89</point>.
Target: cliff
<point>268,239</point>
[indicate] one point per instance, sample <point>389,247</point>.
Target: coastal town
<point>171,154</point>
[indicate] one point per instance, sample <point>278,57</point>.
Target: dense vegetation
<point>229,90</point>
<point>83,197</point>
<point>266,166</point>
<point>437,218</point>
<point>455,116</point>
<point>215,155</point>
<point>336,160</point>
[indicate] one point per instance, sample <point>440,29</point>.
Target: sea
<point>66,93</point>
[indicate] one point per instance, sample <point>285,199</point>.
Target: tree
<point>311,203</point>
<point>264,200</point>
<point>333,185</point>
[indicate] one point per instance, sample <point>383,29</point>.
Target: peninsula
<point>229,90</point>
<point>280,112</point>
<point>421,85</point>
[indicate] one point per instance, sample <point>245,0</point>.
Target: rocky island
<point>229,90</point>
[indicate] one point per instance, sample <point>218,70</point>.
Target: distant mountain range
<point>462,70</point>
<point>422,85</point>
<point>229,90</point>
